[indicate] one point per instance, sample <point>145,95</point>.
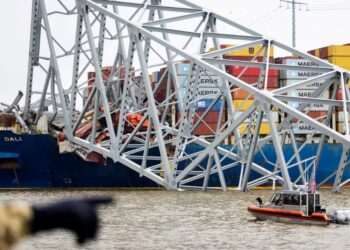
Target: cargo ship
<point>33,160</point>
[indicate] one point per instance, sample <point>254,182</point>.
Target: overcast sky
<point>326,22</point>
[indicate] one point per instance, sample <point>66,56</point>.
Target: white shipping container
<point>182,92</point>
<point>156,76</point>
<point>341,127</point>
<point>292,74</point>
<point>314,107</point>
<point>299,62</point>
<point>183,81</point>
<point>212,81</point>
<point>204,82</point>
<point>183,68</point>
<point>209,92</point>
<point>307,93</point>
<point>289,74</point>
<point>310,86</point>
<point>340,116</point>
<point>302,128</point>
<point>275,117</point>
<point>203,92</point>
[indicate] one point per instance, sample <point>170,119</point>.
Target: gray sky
<point>326,22</point>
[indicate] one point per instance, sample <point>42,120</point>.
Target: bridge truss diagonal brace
<point>261,95</point>
<point>142,36</point>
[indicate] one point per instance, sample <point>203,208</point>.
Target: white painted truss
<point>137,38</point>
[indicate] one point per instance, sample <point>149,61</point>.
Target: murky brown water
<point>189,220</point>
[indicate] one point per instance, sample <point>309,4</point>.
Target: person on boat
<point>19,219</point>
<point>295,200</point>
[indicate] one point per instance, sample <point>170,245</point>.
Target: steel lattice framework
<point>68,39</point>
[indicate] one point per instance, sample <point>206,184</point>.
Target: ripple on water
<point>188,220</point>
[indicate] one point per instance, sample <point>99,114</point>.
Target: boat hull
<point>286,216</point>
<point>41,166</point>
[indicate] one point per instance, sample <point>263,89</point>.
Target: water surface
<point>188,220</point>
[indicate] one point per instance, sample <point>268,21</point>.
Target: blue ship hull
<point>41,166</point>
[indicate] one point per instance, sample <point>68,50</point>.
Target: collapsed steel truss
<point>149,34</point>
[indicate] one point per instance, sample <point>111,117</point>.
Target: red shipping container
<point>211,120</point>
<point>160,95</point>
<point>205,129</point>
<point>272,83</point>
<point>339,94</point>
<point>163,85</point>
<point>323,52</point>
<point>162,70</point>
<point>161,92</point>
<point>211,117</point>
<point>106,72</point>
<point>250,71</point>
<point>340,108</point>
<point>314,115</point>
<point>339,97</point>
<point>312,52</point>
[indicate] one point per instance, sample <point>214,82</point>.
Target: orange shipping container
<point>241,94</point>
<point>317,115</point>
<point>250,71</point>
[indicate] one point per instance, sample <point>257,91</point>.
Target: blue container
<point>203,104</point>
<point>156,76</point>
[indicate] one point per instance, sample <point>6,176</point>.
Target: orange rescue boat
<point>300,207</point>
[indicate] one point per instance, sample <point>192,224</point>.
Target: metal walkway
<point>68,40</point>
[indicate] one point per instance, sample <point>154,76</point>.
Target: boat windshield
<point>291,199</point>
<point>296,199</point>
<point>277,199</point>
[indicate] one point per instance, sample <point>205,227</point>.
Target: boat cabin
<point>303,201</point>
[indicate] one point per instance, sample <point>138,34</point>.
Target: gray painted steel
<point>143,36</point>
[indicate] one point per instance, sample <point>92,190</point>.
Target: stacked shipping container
<point>340,115</point>
<point>106,73</point>
<point>335,54</point>
<point>241,99</point>
<point>208,89</point>
<point>289,77</point>
<point>340,56</point>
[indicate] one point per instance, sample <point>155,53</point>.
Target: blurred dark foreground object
<point>18,219</point>
<point>77,215</point>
